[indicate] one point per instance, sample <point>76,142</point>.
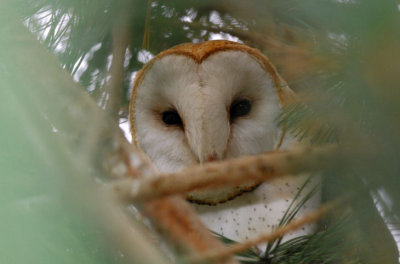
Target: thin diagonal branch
<point>262,167</point>
<point>279,232</point>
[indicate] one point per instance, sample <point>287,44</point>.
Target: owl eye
<point>239,108</point>
<point>171,118</point>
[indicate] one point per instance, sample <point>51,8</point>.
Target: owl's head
<point>197,103</point>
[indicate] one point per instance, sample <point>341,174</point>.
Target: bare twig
<point>120,43</point>
<point>262,167</point>
<point>146,34</point>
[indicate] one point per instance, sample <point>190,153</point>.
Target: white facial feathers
<point>202,95</point>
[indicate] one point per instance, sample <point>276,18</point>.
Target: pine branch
<point>262,167</point>
<point>291,212</point>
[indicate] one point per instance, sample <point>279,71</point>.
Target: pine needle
<point>279,232</point>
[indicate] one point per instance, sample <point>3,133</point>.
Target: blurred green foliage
<point>40,223</point>
<point>341,56</point>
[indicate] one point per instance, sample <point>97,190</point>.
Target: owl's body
<point>198,103</point>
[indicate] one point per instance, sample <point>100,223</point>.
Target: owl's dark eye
<point>171,118</point>
<point>239,108</point>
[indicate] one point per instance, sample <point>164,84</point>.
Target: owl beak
<point>209,142</point>
<point>212,157</point>
<point>207,127</point>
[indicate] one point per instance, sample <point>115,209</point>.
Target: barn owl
<point>198,103</point>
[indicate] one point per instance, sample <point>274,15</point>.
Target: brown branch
<point>173,216</point>
<point>179,221</point>
<point>262,167</point>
